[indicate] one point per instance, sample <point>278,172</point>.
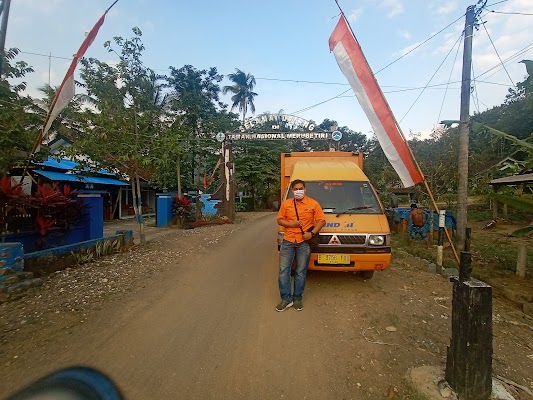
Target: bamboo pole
<point>409,147</point>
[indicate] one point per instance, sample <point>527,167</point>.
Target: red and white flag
<point>66,91</point>
<point>355,68</point>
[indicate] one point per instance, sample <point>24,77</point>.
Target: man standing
<point>417,228</point>
<point>298,215</point>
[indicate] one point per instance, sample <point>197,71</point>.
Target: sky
<point>284,44</point>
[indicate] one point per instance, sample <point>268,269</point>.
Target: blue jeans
<point>287,252</point>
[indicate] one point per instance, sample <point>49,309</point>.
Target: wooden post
<point>469,356</point>
<point>431,224</point>
<point>505,210</point>
<point>494,209</point>
<point>521,262</point>
<point>442,226</point>
<point>227,194</point>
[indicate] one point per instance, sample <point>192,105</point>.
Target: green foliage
<point>240,207</point>
<point>122,128</point>
<point>523,203</point>
<point>258,170</point>
<point>197,115</point>
<point>242,89</point>
<point>18,126</point>
<point>522,232</point>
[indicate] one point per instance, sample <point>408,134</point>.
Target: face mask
<point>299,194</point>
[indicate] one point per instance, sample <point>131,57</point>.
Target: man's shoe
<point>298,305</point>
<point>283,305</point>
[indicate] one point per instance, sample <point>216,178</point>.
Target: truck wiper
<point>353,209</point>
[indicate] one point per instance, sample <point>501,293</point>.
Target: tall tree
<point>18,125</point>
<point>125,120</point>
<point>242,89</point>
<point>68,119</point>
<point>195,102</point>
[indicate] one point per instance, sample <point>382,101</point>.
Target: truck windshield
<point>343,197</point>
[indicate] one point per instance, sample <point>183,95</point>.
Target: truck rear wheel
<point>366,274</point>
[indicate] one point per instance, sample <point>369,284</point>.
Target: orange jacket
<point>309,212</point>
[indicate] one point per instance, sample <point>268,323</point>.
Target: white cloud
<point>395,7</point>
<point>407,49</point>
<point>355,14</point>
<point>447,8</point>
<point>405,34</point>
<point>39,6</point>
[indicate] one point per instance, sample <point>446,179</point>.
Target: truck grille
<point>345,239</point>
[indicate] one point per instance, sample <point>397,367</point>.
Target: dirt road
<point>202,325</point>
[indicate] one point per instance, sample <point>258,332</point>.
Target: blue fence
<point>399,214</point>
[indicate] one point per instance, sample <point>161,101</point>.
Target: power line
<point>508,59</point>
<point>510,13</point>
<point>318,104</point>
<point>493,4</point>
<point>388,65</point>
<point>45,55</point>
<point>498,54</point>
<point>432,76</point>
<point>475,95</point>
<point>449,80</point>
<point>420,44</point>
<point>300,81</point>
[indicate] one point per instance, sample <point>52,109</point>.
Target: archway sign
<point>281,125</point>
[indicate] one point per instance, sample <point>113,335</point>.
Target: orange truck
<point>356,236</point>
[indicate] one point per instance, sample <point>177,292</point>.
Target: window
<point>343,197</point>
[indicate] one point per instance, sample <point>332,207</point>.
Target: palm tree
<point>242,87</point>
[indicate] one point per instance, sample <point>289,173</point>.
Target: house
<point>118,204</point>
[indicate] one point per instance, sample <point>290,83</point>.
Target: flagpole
<point>40,137</point>
<point>403,138</point>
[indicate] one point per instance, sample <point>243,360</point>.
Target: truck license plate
<point>333,258</point>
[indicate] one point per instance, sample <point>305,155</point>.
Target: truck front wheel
<point>366,274</point>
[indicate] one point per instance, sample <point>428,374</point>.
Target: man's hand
<point>295,224</point>
<point>307,235</point>
<point>289,224</point>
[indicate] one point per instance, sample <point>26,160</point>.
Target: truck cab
<point>356,236</point>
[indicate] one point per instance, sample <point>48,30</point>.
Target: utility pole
<point>469,355</point>
<point>462,190</point>
<point>6,4</point>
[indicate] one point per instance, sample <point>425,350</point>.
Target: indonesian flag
<point>355,68</point>
<point>66,91</point>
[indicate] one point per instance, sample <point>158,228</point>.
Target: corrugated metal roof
<point>508,180</point>
<point>67,165</point>
<point>62,177</point>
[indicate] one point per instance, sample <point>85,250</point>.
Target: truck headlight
<point>376,240</point>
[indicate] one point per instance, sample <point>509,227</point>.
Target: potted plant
<point>183,211</point>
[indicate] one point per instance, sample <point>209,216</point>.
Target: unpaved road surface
<point>191,316</point>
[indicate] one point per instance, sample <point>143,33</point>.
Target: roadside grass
<point>493,256</point>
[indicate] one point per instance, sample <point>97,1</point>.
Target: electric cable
<point>420,44</point>
<point>449,80</point>
<point>508,59</point>
<point>318,104</point>
<point>475,95</point>
<point>432,76</point>
<point>499,2</point>
<point>496,50</point>
<point>510,13</point>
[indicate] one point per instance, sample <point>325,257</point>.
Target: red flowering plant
<point>183,210</point>
<point>48,208</point>
<point>9,202</point>
<point>57,207</point>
